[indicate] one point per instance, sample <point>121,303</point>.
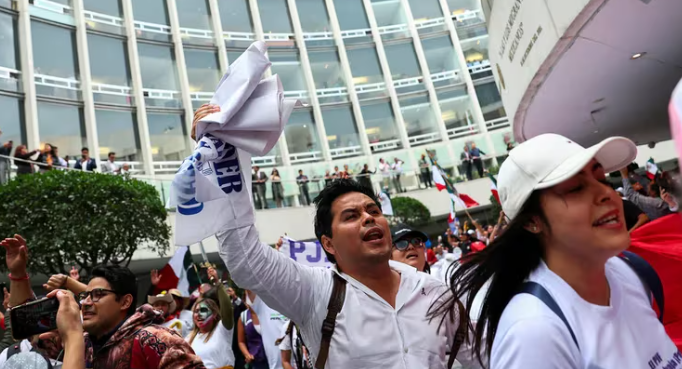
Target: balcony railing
<point>444,76</point>
<point>196,33</point>
<point>103,18</point>
<point>343,152</point>
<point>429,23</point>
<point>330,92</point>
<point>311,36</point>
<point>278,36</point>
<point>479,67</point>
<point>467,130</point>
<point>356,33</point>
<point>57,82</point>
<point>425,138</point>
<point>201,96</point>
<point>52,6</point>
<point>9,73</point>
<point>297,94</point>
<point>385,145</point>
<point>394,28</point>
<point>239,36</point>
<point>305,157</point>
<point>497,123</point>
<point>153,27</point>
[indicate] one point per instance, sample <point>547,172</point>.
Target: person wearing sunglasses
<point>408,247</point>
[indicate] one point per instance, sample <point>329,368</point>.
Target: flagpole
<point>448,185</point>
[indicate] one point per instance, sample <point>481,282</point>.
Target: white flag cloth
<point>212,187</point>
<point>386,205</point>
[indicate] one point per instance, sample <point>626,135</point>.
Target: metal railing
<point>353,33</point>
<point>197,33</point>
<point>467,130</point>
<point>112,89</point>
<point>57,82</point>
<point>240,36</point>
<point>311,36</point>
<point>497,123</point>
<point>425,138</point>
<point>103,18</point>
<point>343,152</point>
<point>52,6</point>
<point>394,28</point>
<point>153,27</point>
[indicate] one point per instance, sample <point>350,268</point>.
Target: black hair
<point>121,279</point>
<point>111,153</point>
<point>667,183</point>
<point>506,262</point>
<point>323,204</point>
<point>655,188</point>
<point>85,149</point>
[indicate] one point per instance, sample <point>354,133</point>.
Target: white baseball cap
<point>549,159</point>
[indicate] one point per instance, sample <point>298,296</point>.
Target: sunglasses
<point>96,294</point>
<point>404,244</point>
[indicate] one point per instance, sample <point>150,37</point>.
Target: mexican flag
<point>459,199</point>
<point>179,273</point>
<point>493,188</point>
<point>651,169</point>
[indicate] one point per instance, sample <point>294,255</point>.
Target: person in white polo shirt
<point>563,291</point>
<point>382,321</point>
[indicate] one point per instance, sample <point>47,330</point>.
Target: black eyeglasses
<point>96,294</point>
<point>404,244</point>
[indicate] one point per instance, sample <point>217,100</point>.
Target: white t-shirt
<point>217,352</point>
<point>625,334</point>
<point>188,319</point>
<point>397,167</point>
<point>176,325</point>
<point>271,323</point>
<point>385,169</point>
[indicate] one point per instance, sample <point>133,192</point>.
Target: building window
<point>167,136</point>
<point>109,7</point>
<point>490,101</point>
<point>235,15</point>
<point>274,15</point>
<point>203,69</point>
<point>13,128</point>
<point>62,126</point>
<point>151,11</point>
<point>194,14</point>
<point>342,132</point>
<point>108,60</point>
<point>117,132</point>
<point>301,133</point>
<point>54,51</point>
<point>380,126</point>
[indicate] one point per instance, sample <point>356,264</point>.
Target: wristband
<point>63,286</point>
<point>11,278</point>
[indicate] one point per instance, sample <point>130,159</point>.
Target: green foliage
<point>409,211</point>
<point>497,208</point>
<point>84,219</point>
<point>494,170</point>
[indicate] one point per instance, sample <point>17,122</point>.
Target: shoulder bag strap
<point>648,276</point>
<point>540,292</point>
<point>461,333</point>
<point>335,304</point>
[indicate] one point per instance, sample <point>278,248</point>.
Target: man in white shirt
<point>382,322</point>
<point>397,168</point>
<point>385,170</point>
<point>109,166</point>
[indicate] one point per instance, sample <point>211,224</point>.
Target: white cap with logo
<point>549,159</point>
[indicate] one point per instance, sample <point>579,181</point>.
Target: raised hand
<point>74,274</point>
<point>279,243</point>
<point>155,277</point>
<point>68,316</point>
<point>16,255</point>
<point>203,111</point>
<point>55,282</point>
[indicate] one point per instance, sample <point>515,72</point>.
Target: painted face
<point>203,315</point>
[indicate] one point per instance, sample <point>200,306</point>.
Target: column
<point>27,76</point>
<point>464,70</point>
<point>135,73</point>
<point>310,83</point>
<point>258,30</point>
<point>348,75</point>
<point>182,68</point>
<point>388,79</point>
<point>86,80</point>
<point>218,33</point>
<point>426,77</point>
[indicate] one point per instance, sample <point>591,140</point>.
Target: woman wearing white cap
<point>559,297</point>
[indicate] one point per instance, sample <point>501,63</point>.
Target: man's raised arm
<point>283,284</point>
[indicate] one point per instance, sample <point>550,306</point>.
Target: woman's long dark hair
<point>506,262</point>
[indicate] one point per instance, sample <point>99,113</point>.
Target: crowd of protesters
<point>543,287</point>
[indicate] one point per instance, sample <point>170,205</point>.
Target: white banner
<point>306,253</point>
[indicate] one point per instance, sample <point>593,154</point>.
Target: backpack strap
<point>648,276</point>
<point>461,333</point>
<point>333,308</point>
<point>540,292</point>
<point>13,349</point>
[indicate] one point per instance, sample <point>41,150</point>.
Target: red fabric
<point>431,256</point>
<point>168,279</point>
<point>477,246</point>
<point>2,324</point>
<point>660,243</point>
<point>468,201</point>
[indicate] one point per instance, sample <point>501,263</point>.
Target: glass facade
<point>376,59</point>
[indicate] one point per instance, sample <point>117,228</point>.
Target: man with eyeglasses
<point>116,335</point>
